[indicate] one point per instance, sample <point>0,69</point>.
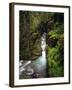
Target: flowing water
<point>36,68</point>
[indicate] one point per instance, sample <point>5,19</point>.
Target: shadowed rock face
<point>45,27</point>
<point>52,42</point>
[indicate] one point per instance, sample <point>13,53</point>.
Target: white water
<point>43,46</point>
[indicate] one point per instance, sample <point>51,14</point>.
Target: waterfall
<point>43,47</point>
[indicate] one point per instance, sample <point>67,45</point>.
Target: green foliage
<point>31,26</point>
<point>55,53</point>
